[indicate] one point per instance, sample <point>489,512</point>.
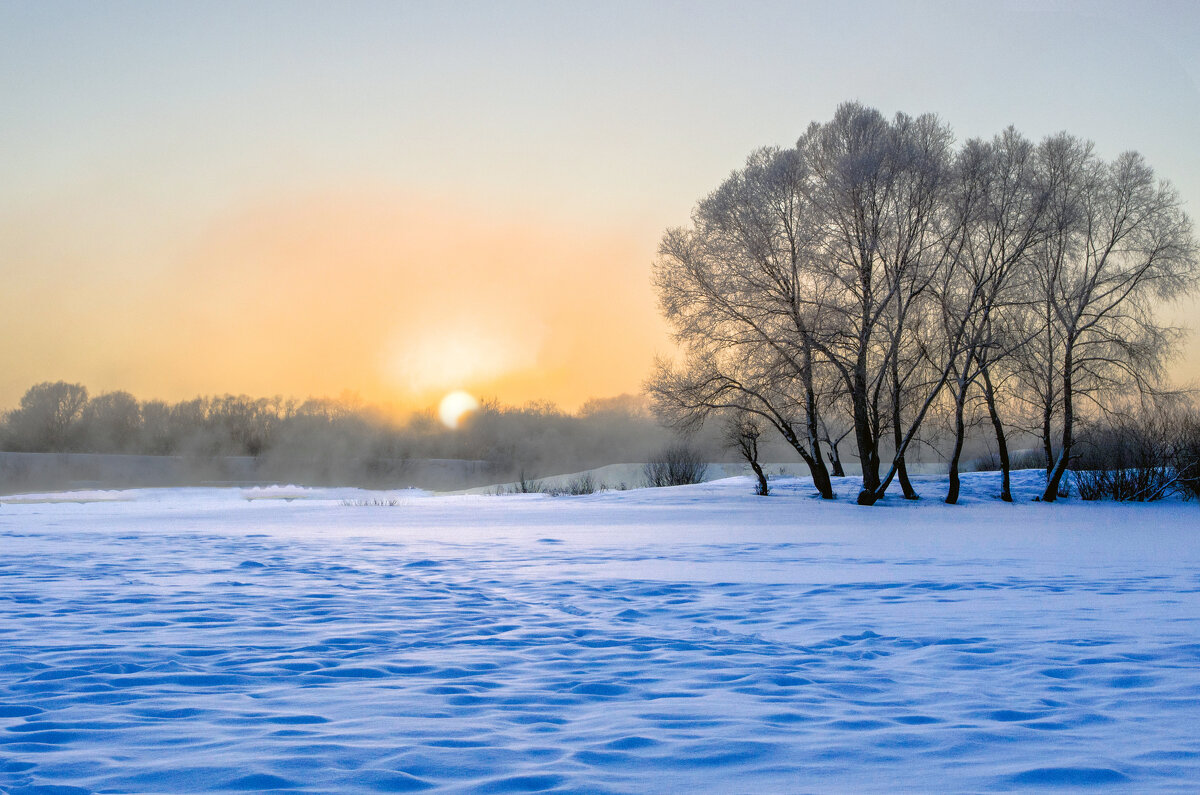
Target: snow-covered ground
<point>693,639</point>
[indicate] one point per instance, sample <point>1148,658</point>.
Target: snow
<point>672,640</point>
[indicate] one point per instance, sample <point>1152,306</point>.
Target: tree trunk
<point>989,396</point>
<point>816,468</point>
<point>902,472</point>
<point>960,432</point>
<point>820,476</point>
<point>868,454</point>
<point>1047,440</point>
<point>870,469</point>
<point>868,445</point>
<point>763,489</point>
<point>836,459</point>
<point>901,469</point>
<point>816,465</point>
<point>1048,404</point>
<point>1064,453</point>
<point>750,453</point>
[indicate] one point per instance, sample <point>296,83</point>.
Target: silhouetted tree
<point>48,417</point>
<point>111,423</point>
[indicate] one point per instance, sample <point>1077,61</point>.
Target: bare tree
<point>880,190</point>
<point>998,362</point>
<point>1002,203</point>
<point>47,419</point>
<point>736,287</point>
<point>1119,240</point>
<point>111,423</point>
<point>742,434</point>
<point>833,434</point>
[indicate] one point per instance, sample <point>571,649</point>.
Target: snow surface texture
<point>670,640</point>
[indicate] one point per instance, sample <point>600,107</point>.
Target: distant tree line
<point>876,277</point>
<point>538,438</point>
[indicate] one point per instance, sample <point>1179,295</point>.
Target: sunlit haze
<point>401,199</point>
<point>455,406</point>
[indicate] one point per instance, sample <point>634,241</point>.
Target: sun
<point>454,406</point>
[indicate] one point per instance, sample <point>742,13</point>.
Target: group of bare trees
<point>62,417</point>
<point>876,272</point>
<point>344,436</point>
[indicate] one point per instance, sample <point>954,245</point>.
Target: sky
<point>398,200</point>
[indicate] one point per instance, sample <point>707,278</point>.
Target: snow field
<point>667,640</point>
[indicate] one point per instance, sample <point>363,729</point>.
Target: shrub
<point>985,463</point>
<point>1017,459</point>
<point>1027,459</point>
<point>1125,458</point>
<point>584,484</point>
<point>1185,458</point>
<point>526,485</point>
<point>1134,484</point>
<point>576,487</point>
<point>677,465</point>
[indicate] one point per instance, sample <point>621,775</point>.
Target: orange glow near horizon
<point>393,299</point>
<point>396,299</point>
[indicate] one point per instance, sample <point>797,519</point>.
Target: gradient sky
<point>400,199</point>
